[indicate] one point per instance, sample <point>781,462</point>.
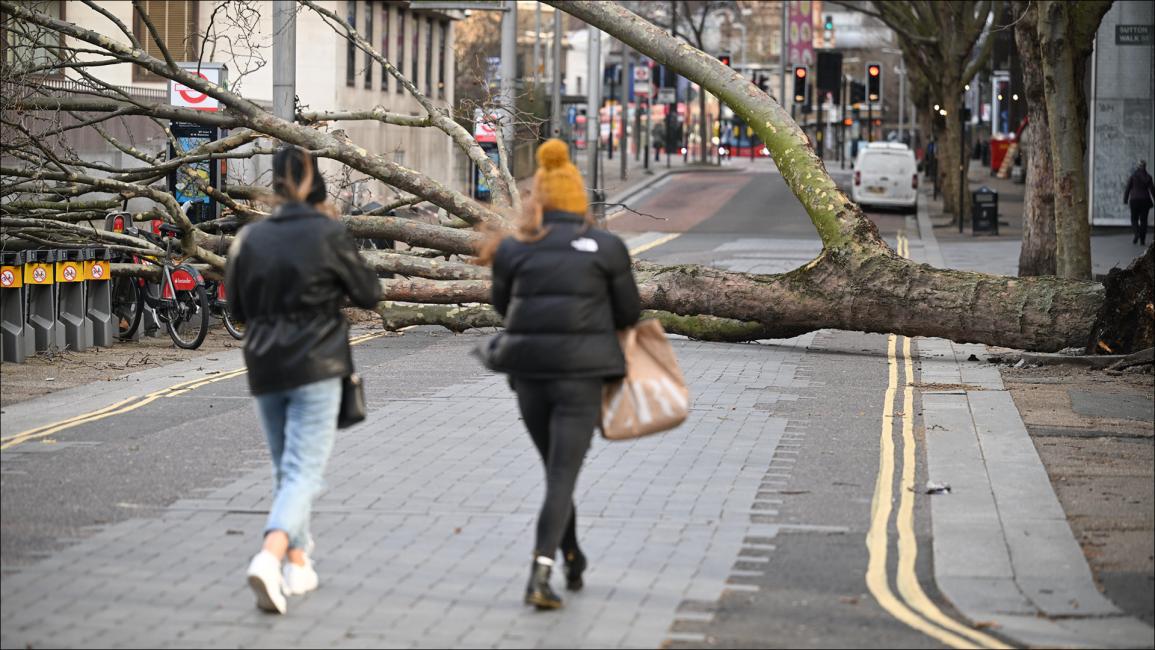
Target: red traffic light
<point>800,73</point>
<point>725,59</point>
<point>873,70</point>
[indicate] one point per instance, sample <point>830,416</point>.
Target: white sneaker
<point>265,581</point>
<point>300,579</point>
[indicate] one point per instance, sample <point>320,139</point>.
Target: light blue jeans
<point>299,425</point>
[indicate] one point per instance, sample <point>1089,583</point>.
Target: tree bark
<point>953,160</point>
<point>1062,80</point>
<point>1037,254</point>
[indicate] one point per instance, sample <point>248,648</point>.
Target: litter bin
<point>984,211</point>
<point>16,340</point>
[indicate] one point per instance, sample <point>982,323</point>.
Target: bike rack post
<point>40,278</point>
<point>16,340</point>
<point>70,299</point>
<point>98,296</point>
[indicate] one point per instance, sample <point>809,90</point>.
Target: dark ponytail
<point>296,177</point>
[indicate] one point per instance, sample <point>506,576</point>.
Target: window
<point>400,62</point>
<point>368,39</point>
<point>416,50</point>
<point>442,44</point>
<point>176,23</point>
<point>30,47</point>
<point>384,45</point>
<point>428,57</point>
<point>350,47</point>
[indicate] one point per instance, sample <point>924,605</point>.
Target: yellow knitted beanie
<point>557,182</point>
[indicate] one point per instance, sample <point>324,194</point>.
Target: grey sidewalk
<point>1003,550</point>
<point>425,528</point>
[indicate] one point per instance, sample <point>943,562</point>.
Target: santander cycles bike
<point>182,299</point>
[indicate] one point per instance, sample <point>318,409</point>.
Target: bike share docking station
<point>54,299</point>
<point>16,340</point>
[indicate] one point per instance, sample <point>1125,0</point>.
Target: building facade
<point>331,73</point>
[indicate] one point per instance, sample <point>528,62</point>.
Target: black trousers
<point>1139,220</point>
<point>561,415</point>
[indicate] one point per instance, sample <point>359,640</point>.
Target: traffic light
<point>828,30</point>
<point>799,84</point>
<point>725,59</point>
<point>763,82</point>
<point>857,92</point>
<point>873,81</point>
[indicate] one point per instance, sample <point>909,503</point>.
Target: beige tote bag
<point>652,397</point>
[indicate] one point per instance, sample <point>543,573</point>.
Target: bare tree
<point>941,44</point>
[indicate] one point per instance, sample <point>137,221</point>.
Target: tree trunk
<point>1037,255</point>
<point>1064,95</point>
<point>952,159</point>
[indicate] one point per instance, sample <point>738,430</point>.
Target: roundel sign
<point>39,274</point>
<point>7,278</point>
<point>69,273</point>
<point>97,271</point>
<point>185,97</point>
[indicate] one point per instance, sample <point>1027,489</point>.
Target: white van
<point>886,175</point>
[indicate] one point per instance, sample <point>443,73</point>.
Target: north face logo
<point>585,245</point>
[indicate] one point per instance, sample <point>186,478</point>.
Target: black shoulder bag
<point>352,402</point>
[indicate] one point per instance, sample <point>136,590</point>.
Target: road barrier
<point>98,296</point>
<point>16,340</point>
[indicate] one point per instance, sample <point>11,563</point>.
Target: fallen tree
<point>856,283</point>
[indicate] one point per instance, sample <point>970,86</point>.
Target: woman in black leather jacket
<point>563,288</point>
<point>287,278</point>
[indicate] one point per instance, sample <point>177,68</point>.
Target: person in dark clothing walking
<point>563,288</point>
<point>287,278</point>
<point>1140,195</point>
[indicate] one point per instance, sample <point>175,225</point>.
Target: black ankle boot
<point>538,593</point>
<point>575,566</point>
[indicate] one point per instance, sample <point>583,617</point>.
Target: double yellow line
<point>133,403</point>
<point>914,608</point>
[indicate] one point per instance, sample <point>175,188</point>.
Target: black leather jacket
<point>287,279</point>
<point>562,298</point>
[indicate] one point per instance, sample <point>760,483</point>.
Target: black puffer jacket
<point>562,298</point>
<point>287,279</point>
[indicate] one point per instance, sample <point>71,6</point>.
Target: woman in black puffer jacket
<point>563,288</point>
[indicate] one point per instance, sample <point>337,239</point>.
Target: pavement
<point>999,254</point>
<point>1004,552</point>
<point>423,529</point>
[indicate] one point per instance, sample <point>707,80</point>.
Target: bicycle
<point>219,306</point>
<point>182,304</point>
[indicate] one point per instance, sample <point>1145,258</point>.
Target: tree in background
<point>942,46</point>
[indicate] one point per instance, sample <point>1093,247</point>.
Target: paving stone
<point>426,523</point>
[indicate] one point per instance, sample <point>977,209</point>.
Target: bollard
<point>71,304</point>
<point>16,340</point>
<point>40,279</point>
<point>98,296</point>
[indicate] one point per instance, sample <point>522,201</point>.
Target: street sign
<point>484,126</point>
<point>184,97</point>
<point>667,96</point>
<point>642,81</point>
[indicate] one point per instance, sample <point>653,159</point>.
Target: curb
<point>1003,550</point>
